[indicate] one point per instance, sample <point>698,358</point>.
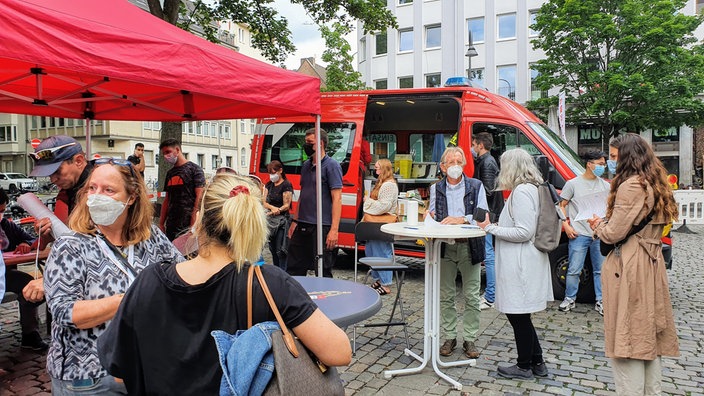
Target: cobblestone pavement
<point>572,343</point>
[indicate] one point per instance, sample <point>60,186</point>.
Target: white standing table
<point>435,236</point>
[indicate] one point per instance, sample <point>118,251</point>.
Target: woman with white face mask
<point>88,272</point>
<point>279,194</point>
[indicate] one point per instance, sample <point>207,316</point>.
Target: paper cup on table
<point>38,210</point>
<point>412,210</point>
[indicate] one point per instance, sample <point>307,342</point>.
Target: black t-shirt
<point>275,194</point>
<point>181,184</point>
<point>159,341</point>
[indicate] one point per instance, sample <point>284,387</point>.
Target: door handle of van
<point>348,184</point>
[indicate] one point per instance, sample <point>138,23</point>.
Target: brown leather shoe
<point>470,349</point>
<point>447,347</point>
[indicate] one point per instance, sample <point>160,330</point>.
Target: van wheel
<point>559,263</point>
<point>12,189</point>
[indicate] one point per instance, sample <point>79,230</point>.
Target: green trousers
<point>457,259</point>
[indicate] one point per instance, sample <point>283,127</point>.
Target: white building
<point>431,43</point>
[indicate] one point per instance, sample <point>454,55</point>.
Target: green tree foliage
<point>624,64</point>
<point>340,74</point>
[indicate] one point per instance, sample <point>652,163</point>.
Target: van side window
<point>506,137</point>
<point>284,142</point>
<point>423,144</point>
<point>382,145</point>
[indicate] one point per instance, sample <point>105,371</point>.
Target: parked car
<point>14,183</point>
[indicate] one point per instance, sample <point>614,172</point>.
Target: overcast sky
<point>306,36</point>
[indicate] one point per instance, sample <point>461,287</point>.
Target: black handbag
<point>606,248</point>
<point>296,370</point>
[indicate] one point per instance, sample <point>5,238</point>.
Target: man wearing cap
<point>61,158</point>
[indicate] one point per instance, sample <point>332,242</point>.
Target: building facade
<point>431,45</point>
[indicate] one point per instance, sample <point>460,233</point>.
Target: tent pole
<point>319,196</point>
<point>88,132</point>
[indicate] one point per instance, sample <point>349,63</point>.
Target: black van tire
<point>559,261</point>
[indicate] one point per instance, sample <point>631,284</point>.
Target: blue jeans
<point>91,386</point>
<point>380,249</point>
<point>578,248</point>
<point>489,292</point>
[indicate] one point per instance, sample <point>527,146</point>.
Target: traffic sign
<point>35,142</point>
<point>96,156</point>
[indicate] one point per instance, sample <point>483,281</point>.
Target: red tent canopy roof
<point>111,60</point>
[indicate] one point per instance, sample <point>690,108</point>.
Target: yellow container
<point>405,164</point>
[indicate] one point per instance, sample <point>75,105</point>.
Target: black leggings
<point>527,343</point>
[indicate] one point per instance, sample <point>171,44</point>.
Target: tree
<point>623,64</point>
<point>340,74</point>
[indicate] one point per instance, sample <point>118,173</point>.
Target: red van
<point>414,125</point>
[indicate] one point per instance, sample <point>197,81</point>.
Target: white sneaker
<point>484,304</point>
<point>567,305</point>
<point>599,308</point>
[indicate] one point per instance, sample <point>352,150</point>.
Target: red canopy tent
<point>111,60</point>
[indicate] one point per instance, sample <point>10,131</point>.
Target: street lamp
<point>471,52</point>
<point>511,95</point>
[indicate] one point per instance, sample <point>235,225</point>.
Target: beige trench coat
<point>638,319</point>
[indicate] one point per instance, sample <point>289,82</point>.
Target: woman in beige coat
<point>638,321</point>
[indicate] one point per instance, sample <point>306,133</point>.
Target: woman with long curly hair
<point>638,322</point>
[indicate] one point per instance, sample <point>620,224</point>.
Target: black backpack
<point>550,218</point>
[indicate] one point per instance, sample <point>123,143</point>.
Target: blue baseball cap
<point>52,152</point>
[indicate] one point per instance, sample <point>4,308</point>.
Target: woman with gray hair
<point>522,271</point>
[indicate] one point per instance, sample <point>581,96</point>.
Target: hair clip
<point>239,189</point>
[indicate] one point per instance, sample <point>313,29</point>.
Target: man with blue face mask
<point>589,186</point>
<point>453,200</point>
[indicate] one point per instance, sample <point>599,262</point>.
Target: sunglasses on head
<point>116,161</point>
<point>225,169</point>
<point>49,153</point>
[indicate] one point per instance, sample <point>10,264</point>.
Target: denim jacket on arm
<point>246,358</point>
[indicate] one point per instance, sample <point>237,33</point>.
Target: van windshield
<point>559,147</point>
<point>284,142</point>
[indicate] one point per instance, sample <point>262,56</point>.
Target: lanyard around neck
<point>124,264</point>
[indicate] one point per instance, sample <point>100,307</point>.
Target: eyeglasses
<point>116,161</point>
<point>225,169</point>
<point>49,153</point>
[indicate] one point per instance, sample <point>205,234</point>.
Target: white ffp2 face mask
<point>274,177</point>
<point>104,210</point>
<point>455,171</point>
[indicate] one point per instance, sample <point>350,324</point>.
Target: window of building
<point>201,160</point>
<point>206,128</point>
<point>227,132</point>
<point>241,35</point>
<point>506,81</point>
<point>535,91</point>
<point>700,6</point>
<point>380,43</point>
<point>252,124</point>
<point>405,40</point>
<point>362,52</point>
<point>432,36</point>
<point>405,82</point>
<point>215,160</point>
<point>243,157</point>
<point>531,21</point>
<point>478,77</point>
<point>243,127</point>
<point>476,26</point>
<point>228,161</point>
<point>156,125</point>
<point>52,122</point>
<point>214,129</point>
<point>506,26</point>
<point>8,133</point>
<point>199,128</point>
<point>69,122</point>
<point>381,84</point>
<point>433,80</point>
<point>42,122</point>
<point>402,2</point>
<point>146,125</point>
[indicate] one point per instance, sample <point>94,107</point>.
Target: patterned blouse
<point>78,269</point>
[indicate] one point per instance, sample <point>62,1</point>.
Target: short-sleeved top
<point>185,362</point>
<point>78,270</point>
<point>181,184</point>
<point>15,235</point>
<point>332,179</point>
<point>580,187</point>
<point>136,160</point>
<point>275,194</point>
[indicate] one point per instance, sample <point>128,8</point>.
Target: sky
<point>306,36</point>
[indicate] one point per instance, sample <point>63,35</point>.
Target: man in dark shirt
<point>184,187</point>
<point>61,158</point>
<point>138,158</point>
<point>21,242</point>
<point>487,170</point>
<point>303,246</point>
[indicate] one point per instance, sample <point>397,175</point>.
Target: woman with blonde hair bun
<point>160,341</point>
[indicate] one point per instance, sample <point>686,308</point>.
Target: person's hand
<point>34,291</point>
<point>453,220</point>
<point>594,222</point>
<point>331,241</point>
<point>569,230</point>
<point>43,228</point>
<point>23,248</point>
<point>431,214</point>
<point>484,222</point>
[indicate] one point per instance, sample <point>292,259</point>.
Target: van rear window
<point>284,142</point>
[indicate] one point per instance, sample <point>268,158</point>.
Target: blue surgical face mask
<point>612,166</point>
<point>599,170</point>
